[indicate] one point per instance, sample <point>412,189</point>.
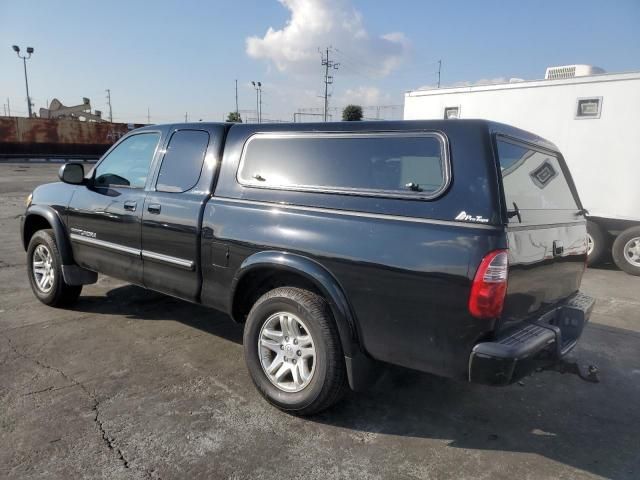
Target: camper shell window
<point>533,180</point>
<point>398,164</point>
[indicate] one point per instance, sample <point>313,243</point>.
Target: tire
<point>626,251</point>
<point>55,292</point>
<point>597,243</point>
<point>305,313</point>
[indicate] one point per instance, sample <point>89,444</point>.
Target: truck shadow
<point>138,303</point>
<point>590,427</point>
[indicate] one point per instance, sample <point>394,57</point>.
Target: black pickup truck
<point>454,247</point>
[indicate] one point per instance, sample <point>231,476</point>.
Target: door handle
<point>130,205</point>
<point>154,208</point>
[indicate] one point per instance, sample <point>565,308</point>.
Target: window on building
<point>451,112</point>
<point>182,163</point>
<point>588,107</point>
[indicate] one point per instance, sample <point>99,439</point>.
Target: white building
<point>594,119</point>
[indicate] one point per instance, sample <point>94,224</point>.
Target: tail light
<point>489,286</point>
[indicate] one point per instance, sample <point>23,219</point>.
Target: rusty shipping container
<point>58,137</point>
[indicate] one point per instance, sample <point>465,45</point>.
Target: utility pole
<point>186,117</point>
<point>328,79</point>
<point>439,69</point>
<point>8,107</point>
<point>109,103</point>
<point>236,96</point>
<point>24,61</point>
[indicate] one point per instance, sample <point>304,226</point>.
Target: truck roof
<point>385,125</point>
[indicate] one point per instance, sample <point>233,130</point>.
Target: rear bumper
<point>536,343</point>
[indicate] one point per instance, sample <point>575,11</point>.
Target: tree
<point>234,117</point>
<point>352,113</point>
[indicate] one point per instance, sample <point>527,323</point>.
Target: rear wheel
<point>596,243</point>
<point>626,251</point>
<point>293,351</point>
<point>44,266</point>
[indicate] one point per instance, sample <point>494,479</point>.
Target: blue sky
<point>176,57</point>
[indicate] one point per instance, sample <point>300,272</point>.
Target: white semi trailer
<point>594,119</point>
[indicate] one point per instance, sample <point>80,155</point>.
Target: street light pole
<point>26,81</point>
<point>260,96</point>
<point>258,87</point>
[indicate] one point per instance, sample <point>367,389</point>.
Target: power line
<point>371,70</point>
<point>328,79</point>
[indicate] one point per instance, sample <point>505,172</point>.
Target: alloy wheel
<point>287,352</point>
<point>43,268</point>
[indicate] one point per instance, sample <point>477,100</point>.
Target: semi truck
<point>593,118</point>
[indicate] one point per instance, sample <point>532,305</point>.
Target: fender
<point>72,273</point>
<point>62,239</point>
<point>362,370</point>
<point>318,275</point>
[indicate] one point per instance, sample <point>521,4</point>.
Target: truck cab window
<point>127,165</point>
<point>182,163</point>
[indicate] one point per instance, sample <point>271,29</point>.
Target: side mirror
<point>72,173</point>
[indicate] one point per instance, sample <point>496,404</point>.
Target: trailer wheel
<point>626,251</point>
<point>596,243</point>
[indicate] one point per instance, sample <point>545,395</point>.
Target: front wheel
<point>626,251</point>
<point>44,268</point>
<point>293,351</point>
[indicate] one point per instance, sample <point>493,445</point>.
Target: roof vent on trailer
<point>570,71</point>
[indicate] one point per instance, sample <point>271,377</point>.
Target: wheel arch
<point>39,217</point>
<point>255,273</point>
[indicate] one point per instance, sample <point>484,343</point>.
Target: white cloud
<point>320,23</point>
<point>363,95</point>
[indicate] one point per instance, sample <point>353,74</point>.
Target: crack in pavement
<point>107,440</point>
<point>48,389</point>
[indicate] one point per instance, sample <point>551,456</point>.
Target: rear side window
<point>533,180</point>
<point>182,163</point>
<point>386,164</point>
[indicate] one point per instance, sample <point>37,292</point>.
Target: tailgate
<point>546,229</point>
